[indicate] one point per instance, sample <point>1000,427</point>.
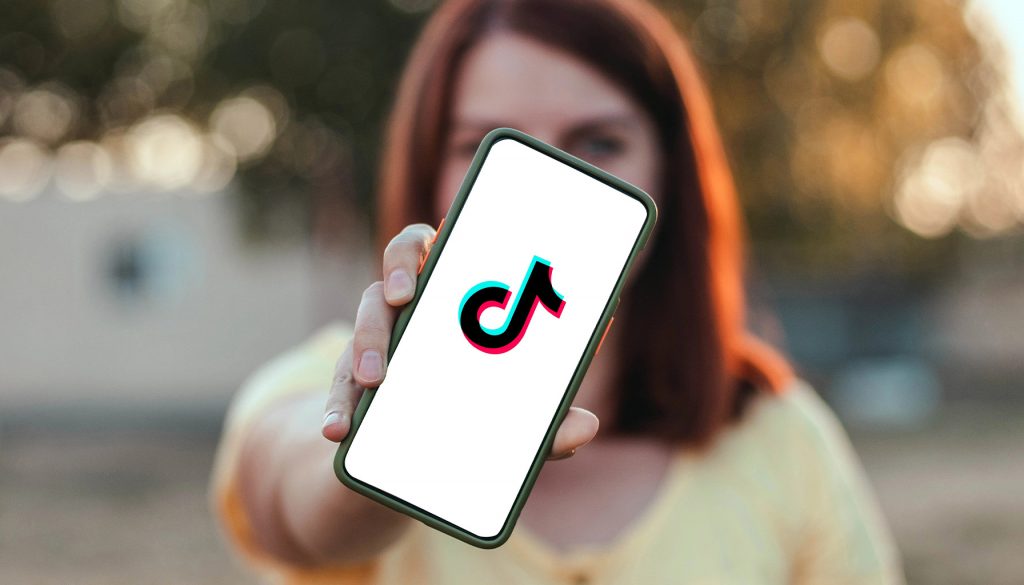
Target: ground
<point>126,503</point>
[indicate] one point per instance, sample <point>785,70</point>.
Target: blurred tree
<point>840,116</point>
<point>293,92</point>
<point>336,65</point>
<point>828,108</point>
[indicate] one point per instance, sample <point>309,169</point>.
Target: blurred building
<point>148,299</point>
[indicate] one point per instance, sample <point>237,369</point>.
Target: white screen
<point>453,429</point>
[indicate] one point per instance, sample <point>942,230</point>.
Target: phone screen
<point>501,326</point>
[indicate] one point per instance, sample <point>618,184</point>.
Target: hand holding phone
<point>513,300</point>
<point>375,319</point>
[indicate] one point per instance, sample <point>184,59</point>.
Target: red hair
<point>687,365</point>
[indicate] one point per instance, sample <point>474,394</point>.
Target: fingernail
<point>399,284</point>
<point>565,455</point>
<point>331,418</point>
<point>370,365</point>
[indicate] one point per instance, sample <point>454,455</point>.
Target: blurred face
<point>511,80</point>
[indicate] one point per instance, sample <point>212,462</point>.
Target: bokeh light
<point>935,189</point>
<point>719,34</point>
<point>247,124</point>
<point>219,163</point>
<point>25,168</point>
<point>165,151</point>
<point>850,48</point>
<point>46,114</point>
<point>828,113</point>
<point>83,170</point>
<point>915,74</point>
<point>118,147</point>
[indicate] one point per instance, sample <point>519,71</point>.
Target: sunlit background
<point>186,188</point>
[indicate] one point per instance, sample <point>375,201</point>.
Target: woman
<point>714,464</point>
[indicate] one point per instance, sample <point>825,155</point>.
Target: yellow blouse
<point>780,498</point>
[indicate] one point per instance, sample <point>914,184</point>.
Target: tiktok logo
<point>536,288</point>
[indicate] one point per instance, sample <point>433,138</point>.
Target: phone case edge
<point>402,321</point>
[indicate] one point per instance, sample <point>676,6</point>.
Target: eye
<point>598,146</point>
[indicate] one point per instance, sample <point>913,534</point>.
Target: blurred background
<point>186,187</point>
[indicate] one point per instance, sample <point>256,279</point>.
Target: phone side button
<point>603,335</point>
<point>437,231</point>
<point>423,260</point>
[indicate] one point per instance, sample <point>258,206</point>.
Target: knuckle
<point>342,378</point>
<point>410,243</point>
<point>418,230</point>
<point>340,405</point>
<point>374,290</point>
<point>370,333</point>
<point>389,250</point>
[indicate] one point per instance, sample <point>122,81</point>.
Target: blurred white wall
<point>146,298</point>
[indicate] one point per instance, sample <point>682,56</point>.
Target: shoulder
<point>840,533</point>
<point>801,442</point>
<point>792,451</point>
<point>797,414</point>
<point>793,436</point>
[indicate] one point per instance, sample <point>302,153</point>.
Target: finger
<point>371,336</point>
<point>577,429</point>
<point>402,258</point>
<point>341,400</point>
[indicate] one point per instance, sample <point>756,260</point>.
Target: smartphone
<point>511,305</point>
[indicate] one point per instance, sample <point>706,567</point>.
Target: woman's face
<point>511,80</point>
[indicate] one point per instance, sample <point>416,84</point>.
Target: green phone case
<point>403,319</point>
